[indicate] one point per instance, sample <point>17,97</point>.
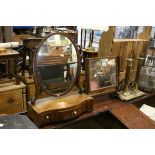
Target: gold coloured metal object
<point>129,88</point>
<point>127,77</point>
<point>90,48</point>
<point>139,67</point>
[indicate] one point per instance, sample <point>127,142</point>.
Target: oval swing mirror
<point>56,64</point>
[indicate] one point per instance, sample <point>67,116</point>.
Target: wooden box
<point>49,110</point>
<point>12,98</point>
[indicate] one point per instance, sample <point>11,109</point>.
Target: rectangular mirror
<point>101,75</point>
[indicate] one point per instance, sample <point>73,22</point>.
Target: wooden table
<point>126,112</point>
<point>30,45</point>
<point>11,58</point>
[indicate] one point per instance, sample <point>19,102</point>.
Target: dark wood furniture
<point>71,31</point>
<point>10,57</point>
<point>120,114</point>
<point>56,70</point>
<point>53,55</point>
<point>131,117</point>
<point>87,54</point>
<point>90,51</point>
<point>12,91</point>
<point>49,110</point>
<point>29,48</point>
<point>109,113</point>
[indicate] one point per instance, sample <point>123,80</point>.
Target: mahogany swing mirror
<point>56,69</point>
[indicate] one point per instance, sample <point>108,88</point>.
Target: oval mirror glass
<point>56,64</point>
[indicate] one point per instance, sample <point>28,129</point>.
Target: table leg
<point>10,70</point>
<point>16,70</point>
<point>30,64</point>
<point>24,62</point>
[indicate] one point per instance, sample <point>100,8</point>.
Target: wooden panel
<point>128,40</point>
<point>10,99</point>
<point>132,117</point>
<point>126,52</point>
<point>46,110</point>
<point>124,48</point>
<point>10,86</point>
<point>12,110</point>
<point>21,37</point>
<point>145,48</point>
<point>104,103</point>
<point>9,52</point>
<point>105,44</point>
<point>137,49</point>
<point>71,113</point>
<point>135,54</point>
<point>122,52</point>
<point>60,103</point>
<point>115,48</point>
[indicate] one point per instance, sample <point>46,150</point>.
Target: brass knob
<point>10,100</point>
<point>75,112</point>
<point>47,117</point>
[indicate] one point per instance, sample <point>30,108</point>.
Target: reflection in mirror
<point>102,73</point>
<point>57,64</point>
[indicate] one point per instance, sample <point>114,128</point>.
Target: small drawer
<point>15,109</point>
<point>50,116</point>
<point>71,113</point>
<point>10,99</point>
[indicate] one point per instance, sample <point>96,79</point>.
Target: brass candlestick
<point>127,76</point>
<point>129,88</point>
<point>90,46</point>
<point>139,67</point>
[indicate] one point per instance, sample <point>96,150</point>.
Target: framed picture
<point>101,75</point>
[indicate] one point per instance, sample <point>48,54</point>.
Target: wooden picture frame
<point>101,75</point>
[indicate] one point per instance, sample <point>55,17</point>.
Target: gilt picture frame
<point>101,75</point>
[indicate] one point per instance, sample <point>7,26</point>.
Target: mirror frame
<point>38,82</point>
<point>102,90</point>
